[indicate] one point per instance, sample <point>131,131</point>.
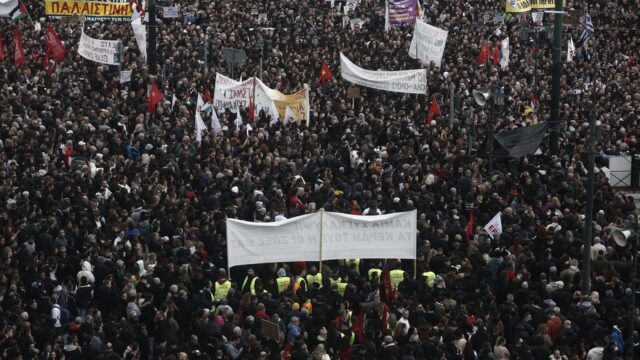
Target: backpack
<point>64,316</point>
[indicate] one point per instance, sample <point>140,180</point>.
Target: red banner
<point>18,52</point>
<point>55,49</point>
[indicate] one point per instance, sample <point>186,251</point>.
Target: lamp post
<point>588,226</point>
<point>621,238</point>
<point>481,96</point>
<point>153,30</point>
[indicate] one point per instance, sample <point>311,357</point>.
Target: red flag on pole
<point>496,55</point>
<point>484,53</point>
<point>386,282</point>
<point>434,110</point>
<point>470,226</point>
<point>358,327</point>
<point>207,96</point>
<point>1,50</point>
<point>155,98</point>
<point>18,53</point>
<point>54,46</point>
<point>325,73</point>
<point>252,115</point>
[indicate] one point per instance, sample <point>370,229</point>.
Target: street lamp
<point>621,237</point>
<point>481,96</point>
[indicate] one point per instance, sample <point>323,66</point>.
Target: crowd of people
<point>113,219</point>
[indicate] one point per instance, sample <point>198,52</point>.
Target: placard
<point>171,12</point>
<point>102,51</point>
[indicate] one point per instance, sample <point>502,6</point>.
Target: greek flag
<point>587,29</point>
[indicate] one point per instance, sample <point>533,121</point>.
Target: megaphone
<point>481,96</point>
<point>621,237</point>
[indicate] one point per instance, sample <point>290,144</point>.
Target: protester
<point>113,219</point>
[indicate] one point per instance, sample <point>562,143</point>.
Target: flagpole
<point>554,134</point>
<point>321,237</point>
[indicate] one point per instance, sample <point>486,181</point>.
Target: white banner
<point>102,51</point>
<point>296,239</point>
<point>231,94</point>
<point>406,81</point>
<point>140,33</point>
<point>170,12</point>
<point>428,43</point>
<point>494,227</point>
<point>391,236</point>
<point>125,76</point>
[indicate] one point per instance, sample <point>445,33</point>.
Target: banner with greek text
<point>517,6</point>
<point>102,51</point>
<point>428,43</point>
<point>546,4</point>
<point>402,12</point>
<point>406,81</point>
<point>391,236</point>
<point>268,99</point>
<point>114,10</point>
<point>296,239</point>
<point>231,94</point>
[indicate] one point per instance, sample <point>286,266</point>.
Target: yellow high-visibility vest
<point>374,271</point>
<point>317,278</point>
<point>252,287</point>
<point>355,262</point>
<point>283,283</point>
<point>430,276</point>
<point>213,299</point>
<point>396,276</point>
<point>221,290</point>
<point>341,287</point>
<point>299,281</point>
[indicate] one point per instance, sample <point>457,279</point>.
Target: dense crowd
<point>113,220</point>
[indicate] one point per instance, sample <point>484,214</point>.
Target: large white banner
<point>140,33</point>
<point>406,81</point>
<point>231,94</point>
<point>428,43</point>
<point>391,236</point>
<point>343,236</point>
<point>296,239</point>
<point>102,51</point>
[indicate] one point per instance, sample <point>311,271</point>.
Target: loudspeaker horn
<point>481,96</point>
<point>621,237</point>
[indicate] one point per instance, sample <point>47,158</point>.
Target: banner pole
<point>415,268</point>
<point>321,237</point>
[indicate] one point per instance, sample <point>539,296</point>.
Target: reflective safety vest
<point>374,271</point>
<point>252,287</point>
<point>317,278</point>
<point>355,262</point>
<point>221,290</point>
<point>333,281</point>
<point>283,283</point>
<point>349,315</point>
<point>396,276</point>
<point>353,337</point>
<point>341,287</point>
<point>213,301</point>
<point>430,276</point>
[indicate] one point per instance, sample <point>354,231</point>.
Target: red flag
<point>434,110</point>
<point>207,96</point>
<point>470,225</point>
<point>358,327</point>
<point>386,282</point>
<point>18,53</point>
<point>484,53</point>
<point>54,46</point>
<point>138,7</point>
<point>286,353</point>
<point>534,49</point>
<point>496,55</point>
<point>534,103</point>
<point>383,309</point>
<point>155,98</point>
<point>1,50</point>
<point>325,73</point>
<point>252,115</point>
